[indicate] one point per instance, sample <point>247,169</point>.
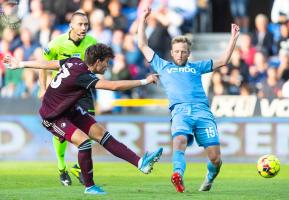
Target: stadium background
<point>252,119</point>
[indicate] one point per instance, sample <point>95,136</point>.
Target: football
<point>268,166</point>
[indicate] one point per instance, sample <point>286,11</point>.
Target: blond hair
<point>182,39</point>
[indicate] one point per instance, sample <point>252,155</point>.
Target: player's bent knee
<point>214,155</point>
<point>180,142</point>
<point>96,132</point>
<point>78,137</point>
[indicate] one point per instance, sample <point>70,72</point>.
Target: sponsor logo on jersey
<point>76,55</point>
<point>181,70</point>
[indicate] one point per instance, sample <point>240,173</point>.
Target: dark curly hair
<point>97,52</point>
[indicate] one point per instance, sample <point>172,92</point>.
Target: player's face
<point>101,66</point>
<point>180,53</point>
<point>79,26</point>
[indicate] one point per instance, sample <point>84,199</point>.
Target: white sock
<point>139,163</point>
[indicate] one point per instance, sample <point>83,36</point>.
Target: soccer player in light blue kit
<point>190,112</point>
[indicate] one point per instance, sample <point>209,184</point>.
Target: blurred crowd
<point>260,62</point>
<point>259,65</point>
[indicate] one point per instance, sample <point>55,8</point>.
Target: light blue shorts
<point>195,121</point>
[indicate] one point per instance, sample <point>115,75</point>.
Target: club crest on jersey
<point>182,70</point>
<point>76,55</point>
<point>63,125</point>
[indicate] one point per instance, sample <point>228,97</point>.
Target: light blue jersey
<point>190,111</point>
<point>182,84</point>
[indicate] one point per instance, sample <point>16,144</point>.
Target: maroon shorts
<point>64,126</point>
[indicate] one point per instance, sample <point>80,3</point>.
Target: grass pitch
<point>39,180</point>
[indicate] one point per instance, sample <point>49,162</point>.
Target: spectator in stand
<point>156,32</point>
<point>283,68</point>
<point>134,58</point>
<point>188,10</point>
<point>258,71</point>
<point>239,11</point>
<point>247,49</point>
<point>237,62</point>
<point>98,31</point>
<point>270,88</point>
<point>87,6</point>
<point>12,38</point>
<point>167,16</point>
<point>102,5</point>
<point>262,39</point>
<point>280,11</point>
<point>12,78</point>
<point>27,43</point>
<point>117,40</point>
<point>29,87</point>
<point>245,89</point>
<point>43,36</point>
<point>32,21</point>
<point>235,80</point>
<point>63,10</point>
<point>115,20</point>
<point>284,35</point>
<point>217,86</point>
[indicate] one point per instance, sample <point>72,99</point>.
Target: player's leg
<point>75,169</point>
<point>179,161</point>
<point>207,136</point>
<point>182,133</point>
<point>81,140</point>
<point>96,132</point>
<point>59,147</point>
<point>120,150</point>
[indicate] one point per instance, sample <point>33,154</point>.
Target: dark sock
<point>118,149</point>
<point>85,162</point>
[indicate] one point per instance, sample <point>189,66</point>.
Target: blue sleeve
<point>206,66</point>
<point>157,63</point>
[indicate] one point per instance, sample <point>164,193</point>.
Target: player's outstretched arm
<point>142,39</point>
<point>13,63</point>
<point>125,84</point>
<point>226,55</point>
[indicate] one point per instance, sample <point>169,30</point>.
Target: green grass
<point>37,181</point>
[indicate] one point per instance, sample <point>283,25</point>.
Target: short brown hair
<point>78,13</point>
<point>97,52</point>
<point>182,39</point>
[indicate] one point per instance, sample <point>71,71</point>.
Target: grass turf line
<point>39,180</point>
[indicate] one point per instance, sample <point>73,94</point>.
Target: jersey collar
<point>75,43</point>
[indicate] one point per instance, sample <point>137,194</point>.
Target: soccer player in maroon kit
<point>68,121</point>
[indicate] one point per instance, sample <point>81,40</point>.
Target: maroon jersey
<point>71,83</point>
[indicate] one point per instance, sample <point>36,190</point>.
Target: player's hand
<point>153,78</point>
<point>41,94</point>
<point>11,62</point>
<point>146,12</point>
<point>235,30</point>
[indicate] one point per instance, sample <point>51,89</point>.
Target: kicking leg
<point>214,165</point>
<point>145,164</point>
<point>179,162</point>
